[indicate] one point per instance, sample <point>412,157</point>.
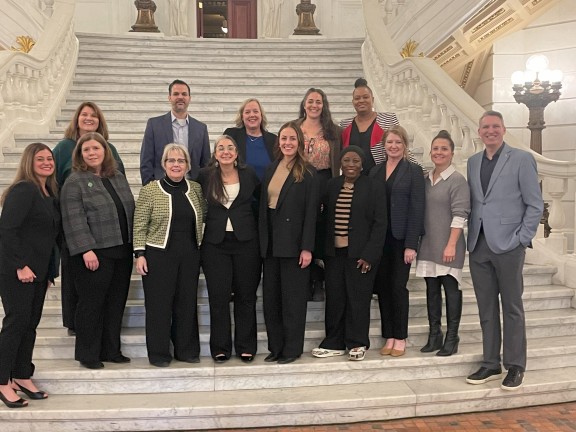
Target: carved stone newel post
<point>145,20</point>
<point>305,10</point>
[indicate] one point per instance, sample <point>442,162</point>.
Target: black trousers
<point>232,266</point>
<point>68,290</point>
<point>390,285</point>
<point>285,295</point>
<point>348,297</point>
<point>170,298</point>
<point>102,298</point>
<point>23,303</point>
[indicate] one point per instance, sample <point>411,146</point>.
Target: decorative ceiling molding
<point>459,53</point>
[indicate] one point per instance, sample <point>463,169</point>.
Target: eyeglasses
<point>172,161</point>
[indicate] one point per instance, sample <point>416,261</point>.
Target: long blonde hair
<point>26,173</point>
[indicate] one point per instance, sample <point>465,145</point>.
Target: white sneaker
<point>324,352</point>
<point>357,354</point>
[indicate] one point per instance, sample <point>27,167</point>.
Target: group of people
<point>345,204</point>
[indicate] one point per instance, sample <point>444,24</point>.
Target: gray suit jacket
<point>512,207</point>
<point>159,133</point>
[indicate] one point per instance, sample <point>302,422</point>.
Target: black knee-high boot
<point>434,306</point>
<point>453,315</point>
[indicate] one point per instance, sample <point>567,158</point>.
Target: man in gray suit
<point>506,210</point>
<point>177,126</point>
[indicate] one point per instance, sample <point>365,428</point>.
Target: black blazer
<point>239,135</point>
<point>241,212</point>
<point>368,218</point>
<point>407,202</point>
<point>28,230</point>
<point>294,227</point>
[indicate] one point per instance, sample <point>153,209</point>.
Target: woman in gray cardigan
<point>97,213</point>
<point>442,248</point>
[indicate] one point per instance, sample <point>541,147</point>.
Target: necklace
<point>347,185</point>
<point>252,139</point>
<point>172,185</point>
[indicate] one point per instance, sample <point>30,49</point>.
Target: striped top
<point>342,216</point>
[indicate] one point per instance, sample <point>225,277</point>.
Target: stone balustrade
<point>33,85</point>
<point>426,100</point>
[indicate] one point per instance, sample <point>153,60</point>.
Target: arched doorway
<point>235,19</point>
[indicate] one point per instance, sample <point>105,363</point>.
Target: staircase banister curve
<point>389,75</point>
<point>34,85</point>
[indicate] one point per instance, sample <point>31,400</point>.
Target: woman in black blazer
<point>230,251</point>
<point>255,143</point>
<point>404,181</point>
<point>287,228</point>
<point>354,215</point>
<point>29,225</point>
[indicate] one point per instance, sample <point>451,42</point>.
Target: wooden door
<point>242,19</point>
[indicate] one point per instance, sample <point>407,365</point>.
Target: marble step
<point>68,377</point>
<point>146,41</point>
<point>54,343</point>
<point>316,405</point>
<point>535,298</point>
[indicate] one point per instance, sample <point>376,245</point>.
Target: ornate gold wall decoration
<point>496,29</point>
<point>409,49</point>
<point>466,74</point>
<point>488,20</point>
<point>26,44</point>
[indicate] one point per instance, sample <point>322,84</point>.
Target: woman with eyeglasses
<point>322,145</point>
<point>167,235</point>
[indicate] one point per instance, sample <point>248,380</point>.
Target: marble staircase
<point>127,76</point>
<point>310,391</point>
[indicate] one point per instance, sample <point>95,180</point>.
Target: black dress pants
<point>390,285</point>
<point>285,295</point>
<point>232,266</point>
<point>23,303</point>
<point>348,297</point>
<point>170,298</point>
<point>102,298</point>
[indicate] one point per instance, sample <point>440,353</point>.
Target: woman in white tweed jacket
<point>168,223</point>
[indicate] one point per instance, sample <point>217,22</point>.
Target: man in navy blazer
<point>506,210</point>
<point>177,126</point>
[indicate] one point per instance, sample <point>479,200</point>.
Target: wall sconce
<point>225,26</point>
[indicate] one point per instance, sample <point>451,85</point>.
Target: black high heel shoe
<point>20,403</point>
<point>32,395</point>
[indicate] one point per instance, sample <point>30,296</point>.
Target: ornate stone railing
<point>426,99</point>
<point>33,85</point>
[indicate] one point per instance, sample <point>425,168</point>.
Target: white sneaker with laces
<point>324,352</point>
<point>357,354</point>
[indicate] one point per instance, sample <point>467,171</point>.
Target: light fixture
<point>536,87</point>
<point>225,26</point>
<point>200,5</point>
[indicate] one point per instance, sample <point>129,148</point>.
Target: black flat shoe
<point>118,359</point>
<point>189,359</point>
<point>286,360</point>
<point>271,358</point>
<point>247,358</point>
<point>20,403</point>
<point>32,395</point>
<point>161,363</point>
<point>92,365</point>
<point>220,358</point>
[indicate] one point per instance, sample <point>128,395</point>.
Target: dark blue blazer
<point>407,201</point>
<point>159,133</point>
